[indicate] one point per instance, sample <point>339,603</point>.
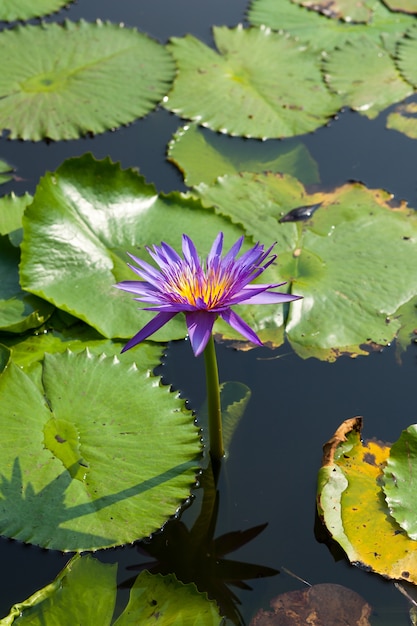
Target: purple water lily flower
<point>202,291</point>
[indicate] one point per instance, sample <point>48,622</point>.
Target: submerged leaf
<point>245,89</point>
<point>351,504</point>
<point>93,425</point>
<point>62,81</point>
<point>318,605</point>
<point>203,156</point>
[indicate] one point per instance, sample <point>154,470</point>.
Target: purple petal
<point>171,253</point>
<point>269,297</point>
<point>151,327</point>
<point>234,250</point>
<point>216,248</point>
<point>238,324</point>
<point>189,251</point>
<point>136,286</point>
<point>200,325</point>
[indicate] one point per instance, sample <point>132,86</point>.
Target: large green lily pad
<point>353,261</point>
<point>351,504</point>
<point>11,10</point>
<point>62,81</point>
<point>245,88</point>
<point>84,219</point>
<point>96,452</point>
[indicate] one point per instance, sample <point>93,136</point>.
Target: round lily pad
<point>353,260</point>
<point>62,81</point>
<point>96,452</point>
<point>245,88</point>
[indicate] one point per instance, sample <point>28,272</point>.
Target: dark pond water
<point>270,476</point>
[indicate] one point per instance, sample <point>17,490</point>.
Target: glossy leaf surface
<point>353,260</point>
<point>84,219</point>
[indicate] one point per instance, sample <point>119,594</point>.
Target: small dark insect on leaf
<point>300,213</point>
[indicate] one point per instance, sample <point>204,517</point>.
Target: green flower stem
<point>213,402</point>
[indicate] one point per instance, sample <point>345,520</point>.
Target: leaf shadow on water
<point>26,515</point>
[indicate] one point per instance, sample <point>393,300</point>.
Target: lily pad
<point>406,6</point>
<point>364,75</point>
<point>79,469</point>
<point>84,592</point>
<point>19,310</point>
<point>353,261</point>
<point>12,208</point>
<point>351,504</point>
<point>347,10</point>
<point>83,78</point>
<point>406,54</point>
<point>203,156</point>
<point>84,219</point>
<point>12,10</point>
<point>324,34</point>
<point>404,119</point>
<point>245,89</point>
<point>399,481</point>
<point>167,601</point>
